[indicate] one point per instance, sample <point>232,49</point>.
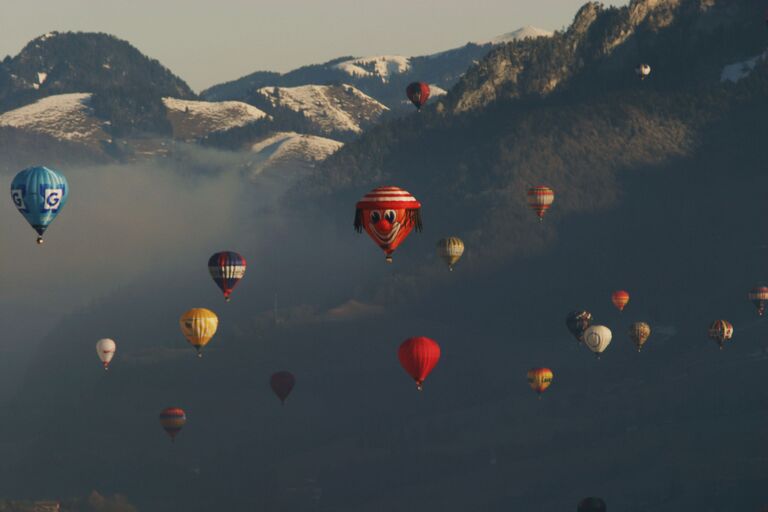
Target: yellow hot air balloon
<point>539,379</point>
<point>639,332</point>
<point>450,250</point>
<point>199,325</point>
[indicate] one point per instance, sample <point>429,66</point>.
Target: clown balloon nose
<point>388,215</point>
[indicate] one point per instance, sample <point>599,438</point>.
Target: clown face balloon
<point>388,215</point>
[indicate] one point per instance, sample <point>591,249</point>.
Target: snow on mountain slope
<point>332,108</point>
<point>291,148</point>
<point>517,35</point>
<point>62,116</point>
<point>381,66</point>
<point>195,119</point>
<point>740,70</point>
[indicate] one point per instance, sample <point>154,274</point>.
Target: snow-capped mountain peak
<point>380,66</point>
<point>193,119</point>
<point>525,32</point>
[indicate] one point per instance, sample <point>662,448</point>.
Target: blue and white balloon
<point>39,194</point>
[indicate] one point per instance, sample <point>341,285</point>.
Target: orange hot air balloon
<point>540,199</point>
<point>759,295</point>
<point>418,356</point>
<point>388,215</point>
<point>721,331</point>
<point>620,299</point>
<point>539,379</point>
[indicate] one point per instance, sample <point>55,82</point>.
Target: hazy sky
<point>207,42</point>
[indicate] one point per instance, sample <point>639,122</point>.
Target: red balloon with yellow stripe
<point>540,379</point>
<point>388,215</point>
<point>172,420</point>
<point>540,199</point>
<point>620,299</point>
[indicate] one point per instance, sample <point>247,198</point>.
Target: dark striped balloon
<point>173,419</point>
<point>227,268</point>
<point>282,384</point>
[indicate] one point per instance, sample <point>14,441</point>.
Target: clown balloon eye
<point>390,216</point>
<point>375,216</point>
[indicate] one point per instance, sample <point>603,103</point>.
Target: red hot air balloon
<point>759,295</point>
<point>172,420</point>
<point>282,383</point>
<point>388,215</point>
<point>540,199</point>
<point>620,299</point>
<point>418,356</point>
<point>418,93</point>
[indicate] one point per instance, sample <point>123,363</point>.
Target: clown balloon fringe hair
<point>413,215</point>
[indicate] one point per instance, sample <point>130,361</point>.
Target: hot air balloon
<point>199,325</point>
<point>227,268</point>
<point>639,332</point>
<point>758,295</point>
<point>620,299</point>
<point>539,379</point>
<point>540,199</point>
<point>643,71</point>
<point>578,322</point>
<point>105,348</point>
<point>597,338</point>
<point>173,419</point>
<point>721,331</point>
<point>39,194</point>
<point>388,215</point>
<point>282,383</point>
<point>450,250</point>
<point>418,356</point>
<point>592,504</point>
<point>418,93</point>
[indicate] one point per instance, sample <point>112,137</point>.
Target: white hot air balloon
<point>597,338</point>
<point>105,348</point>
<point>643,71</point>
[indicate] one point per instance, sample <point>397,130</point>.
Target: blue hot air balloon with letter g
<point>39,194</point>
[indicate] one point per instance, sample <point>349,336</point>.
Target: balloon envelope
<point>620,299</point>
<point>418,356</point>
<point>540,199</point>
<point>39,193</point>
<point>639,332</point>
<point>227,268</point>
<point>388,215</point>
<point>105,348</point>
<point>418,93</point>
<point>597,338</point>
<point>720,331</point>
<point>578,322</point>
<point>282,384</point>
<point>172,419</point>
<point>450,250</point>
<point>759,295</point>
<point>540,379</point>
<point>199,325</point>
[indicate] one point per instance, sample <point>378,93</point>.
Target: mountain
<point>659,190</point>
<point>340,110</point>
<point>193,120</point>
<point>384,77</point>
<point>285,150</point>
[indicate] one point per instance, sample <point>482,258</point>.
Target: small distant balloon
<point>720,331</point>
<point>540,199</point>
<point>620,299</point>
<point>282,384</point>
<point>597,338</point>
<point>759,295</point>
<point>173,419</point>
<point>540,379</point>
<point>105,348</point>
<point>643,71</point>
<point>450,250</point>
<point>227,268</point>
<point>199,325</point>
<point>418,93</point>
<point>418,357</point>
<point>639,332</point>
<point>39,193</point>
<point>578,322</point>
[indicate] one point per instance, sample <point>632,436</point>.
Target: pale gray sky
<point>211,41</point>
